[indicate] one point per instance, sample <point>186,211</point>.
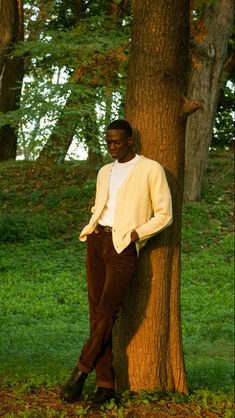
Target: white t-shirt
<point>118,175</point>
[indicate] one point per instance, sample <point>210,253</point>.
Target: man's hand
<point>134,236</point>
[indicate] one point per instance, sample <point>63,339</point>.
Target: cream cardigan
<point>143,204</point>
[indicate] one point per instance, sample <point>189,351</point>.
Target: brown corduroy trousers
<point>108,277</point>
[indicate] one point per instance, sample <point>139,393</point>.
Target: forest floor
<point>44,402</point>
<point>43,317</point>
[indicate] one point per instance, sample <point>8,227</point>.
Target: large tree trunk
<point>204,85</point>
<point>147,341</point>
<point>11,72</point>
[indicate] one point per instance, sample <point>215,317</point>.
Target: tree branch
<point>190,107</point>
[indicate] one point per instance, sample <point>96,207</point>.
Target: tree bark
<point>11,72</point>
<point>204,85</point>
<point>117,9</point>
<point>147,340</point>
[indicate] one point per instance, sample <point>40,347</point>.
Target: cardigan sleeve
<point>98,181</point>
<point>161,204</point>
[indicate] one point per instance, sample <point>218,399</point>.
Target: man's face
<point>119,145</point>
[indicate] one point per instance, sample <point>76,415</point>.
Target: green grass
<point>207,308</point>
<point>207,279</point>
<point>43,287</point>
<point>43,202</point>
<point>43,310</point>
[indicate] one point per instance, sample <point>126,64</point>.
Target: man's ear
<point>130,141</point>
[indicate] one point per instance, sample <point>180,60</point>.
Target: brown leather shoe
<point>72,390</point>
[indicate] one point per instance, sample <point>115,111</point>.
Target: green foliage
<point>72,193</point>
<point>223,131</point>
<point>70,65</point>
<point>29,213</point>
<point>18,228</point>
<point>13,228</point>
<point>52,201</point>
<point>205,221</point>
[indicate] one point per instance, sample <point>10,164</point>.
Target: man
<point>132,204</point>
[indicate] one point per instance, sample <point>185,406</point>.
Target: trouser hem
<point>83,368</point>
<point>105,384</point>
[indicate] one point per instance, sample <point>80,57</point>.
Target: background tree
<point>79,114</point>
<point>63,132</point>
<point>75,55</point>
<point>223,129</point>
<point>147,343</point>
<point>213,24</point>
<point>95,68</point>
<point>11,32</point>
<point>74,74</point>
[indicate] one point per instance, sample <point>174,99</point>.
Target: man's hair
<point>121,124</point>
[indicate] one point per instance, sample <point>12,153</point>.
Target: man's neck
<point>127,158</point>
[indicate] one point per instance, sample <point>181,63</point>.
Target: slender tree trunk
<point>147,341</point>
<point>11,72</point>
<point>108,104</point>
<point>61,138</point>
<point>204,85</point>
<point>91,131</point>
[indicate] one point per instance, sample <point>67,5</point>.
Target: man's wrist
<point>134,236</point>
